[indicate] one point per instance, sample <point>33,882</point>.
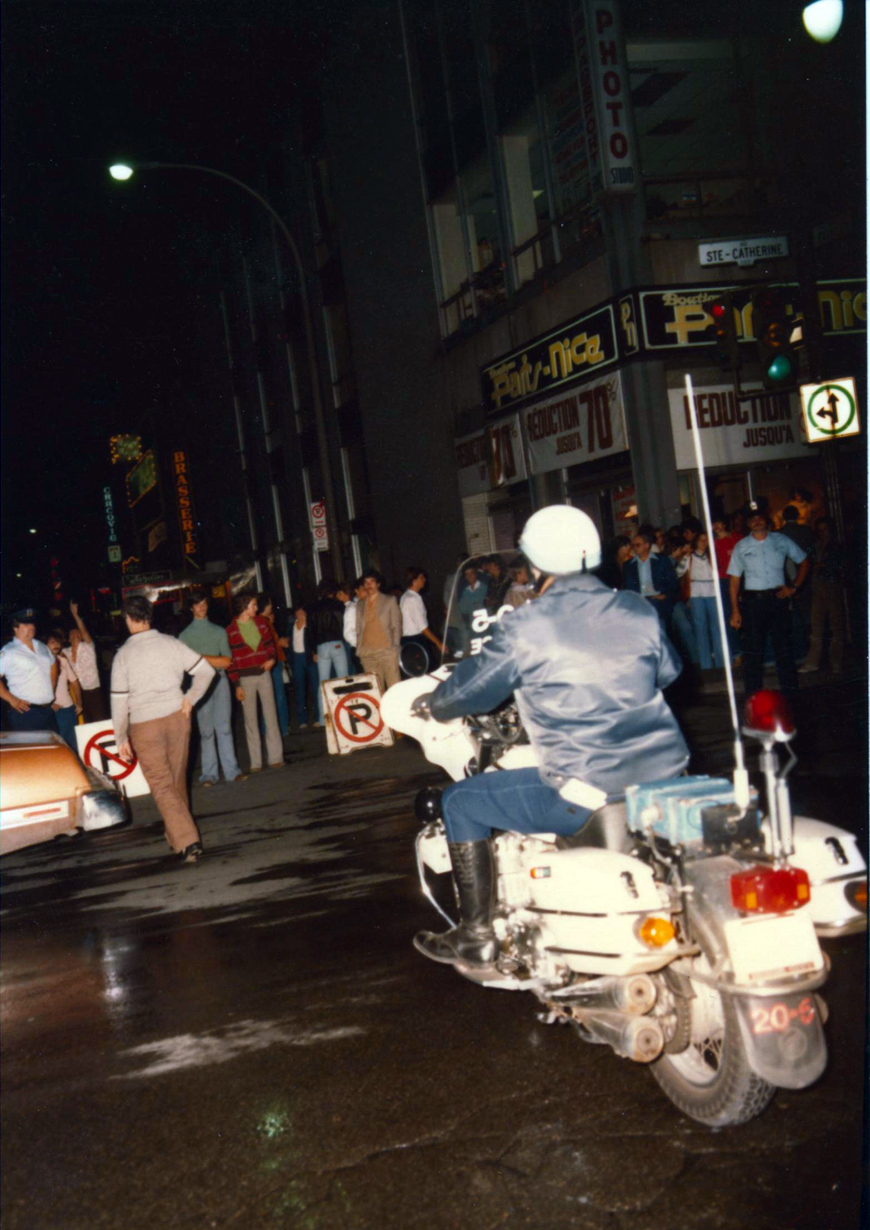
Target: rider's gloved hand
<point>420,707</point>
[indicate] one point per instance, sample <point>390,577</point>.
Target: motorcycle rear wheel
<point>711,1080</point>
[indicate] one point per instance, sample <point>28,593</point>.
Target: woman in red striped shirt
<point>254,657</point>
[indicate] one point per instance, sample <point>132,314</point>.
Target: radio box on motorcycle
<point>674,808</point>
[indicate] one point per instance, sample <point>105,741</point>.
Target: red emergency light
<point>769,712</point>
<point>770,890</point>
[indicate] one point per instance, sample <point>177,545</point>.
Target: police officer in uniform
<point>766,603</point>
<point>29,673</point>
<point>587,666</point>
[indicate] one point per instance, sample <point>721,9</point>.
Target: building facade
<point>533,204</point>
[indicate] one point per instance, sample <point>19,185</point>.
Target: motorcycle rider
<point>587,665</point>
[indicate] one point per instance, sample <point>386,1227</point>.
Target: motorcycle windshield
<point>475,603</point>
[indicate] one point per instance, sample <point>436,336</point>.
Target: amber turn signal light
<point>655,932</point>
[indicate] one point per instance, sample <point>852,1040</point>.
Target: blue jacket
<point>587,666</point>
<point>664,579</point>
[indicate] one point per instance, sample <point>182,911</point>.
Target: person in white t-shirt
<point>703,582</point>
<point>83,656</point>
<point>415,621</point>
<point>67,694</point>
<point>306,681</point>
<point>350,638</point>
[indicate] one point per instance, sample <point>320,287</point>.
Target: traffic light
<point>772,325</point>
<point>723,330</point>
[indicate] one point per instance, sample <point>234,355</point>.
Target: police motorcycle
<point>680,926</point>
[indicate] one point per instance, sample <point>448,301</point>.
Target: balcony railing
<point>486,290</point>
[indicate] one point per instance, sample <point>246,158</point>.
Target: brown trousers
<point>381,662</point>
<point>162,745</point>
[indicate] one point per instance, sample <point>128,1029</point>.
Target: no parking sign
<point>353,714</point>
<point>98,749</point>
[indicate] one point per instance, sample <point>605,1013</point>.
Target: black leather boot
<point>473,942</point>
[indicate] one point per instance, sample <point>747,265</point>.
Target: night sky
<point>102,281</point>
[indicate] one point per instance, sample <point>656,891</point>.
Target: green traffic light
<point>780,369</point>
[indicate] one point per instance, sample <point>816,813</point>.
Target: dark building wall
<point>407,427</point>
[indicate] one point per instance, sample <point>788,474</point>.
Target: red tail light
<point>768,711</point>
<point>770,890</point>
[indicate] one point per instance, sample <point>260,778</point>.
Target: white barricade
<point>98,748</point>
<point>352,708</point>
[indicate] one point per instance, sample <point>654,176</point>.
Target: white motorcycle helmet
<point>561,539</point>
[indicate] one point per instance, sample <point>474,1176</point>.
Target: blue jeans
<point>681,627</point>
<point>281,698</point>
<point>512,799</point>
<point>304,680</point>
<point>66,724</point>
<point>37,717</point>
<point>331,654</point>
<point>214,719</point>
<point>707,636</point>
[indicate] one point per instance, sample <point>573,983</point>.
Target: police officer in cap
<point>765,605</point>
<point>587,666</point>
<point>29,676</point>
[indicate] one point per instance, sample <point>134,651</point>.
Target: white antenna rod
<point>741,777</point>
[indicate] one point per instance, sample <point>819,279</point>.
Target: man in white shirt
<point>83,656</point>
<point>764,608</point>
<point>29,676</point>
<point>151,715</point>
<point>359,591</point>
<point>415,621</point>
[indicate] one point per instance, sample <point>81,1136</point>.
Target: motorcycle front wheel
<point>711,1080</point>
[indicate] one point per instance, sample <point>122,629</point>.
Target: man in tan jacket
<point>378,632</point>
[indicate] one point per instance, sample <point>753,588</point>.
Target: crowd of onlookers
<point>365,625</point>
<point>679,570</point>
<point>782,595</point>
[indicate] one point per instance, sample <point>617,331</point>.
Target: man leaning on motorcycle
<point>587,665</point>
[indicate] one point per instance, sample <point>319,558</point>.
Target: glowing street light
<point>120,171</point>
<point>822,19</point>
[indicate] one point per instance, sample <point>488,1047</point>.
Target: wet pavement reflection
<point>253,1042</point>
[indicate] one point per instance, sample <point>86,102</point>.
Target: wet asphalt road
<point>253,1042</point>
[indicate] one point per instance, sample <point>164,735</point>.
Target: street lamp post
<point>124,171</point>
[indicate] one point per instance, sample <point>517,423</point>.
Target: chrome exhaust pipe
<point>634,1037</point>
<point>633,995</point>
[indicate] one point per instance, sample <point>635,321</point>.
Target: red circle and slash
<point>93,742</point>
<point>369,700</point>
